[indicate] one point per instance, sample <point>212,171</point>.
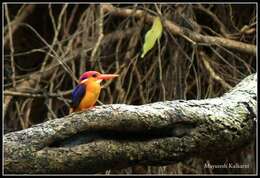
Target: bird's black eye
<point>94,75</point>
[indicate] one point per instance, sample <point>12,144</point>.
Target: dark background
<point>170,71</point>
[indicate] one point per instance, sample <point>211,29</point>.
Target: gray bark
<point>118,136</point>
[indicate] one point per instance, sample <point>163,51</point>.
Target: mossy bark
<point>118,136</point>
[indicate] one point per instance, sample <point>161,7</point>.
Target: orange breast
<point>92,93</point>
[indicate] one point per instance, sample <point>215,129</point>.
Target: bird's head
<point>96,76</point>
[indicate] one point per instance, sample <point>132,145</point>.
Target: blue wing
<point>77,95</point>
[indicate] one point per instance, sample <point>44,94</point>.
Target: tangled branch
<point>184,32</point>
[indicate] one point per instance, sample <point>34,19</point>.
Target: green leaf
<point>152,35</point>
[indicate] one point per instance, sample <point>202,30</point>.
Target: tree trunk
<point>118,136</point>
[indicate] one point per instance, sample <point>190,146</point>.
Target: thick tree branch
<point>118,135</point>
<point>184,32</point>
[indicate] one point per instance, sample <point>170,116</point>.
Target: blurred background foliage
<point>40,87</point>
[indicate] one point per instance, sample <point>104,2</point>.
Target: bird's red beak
<point>107,76</point>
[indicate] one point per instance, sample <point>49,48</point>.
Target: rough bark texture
<point>119,135</point>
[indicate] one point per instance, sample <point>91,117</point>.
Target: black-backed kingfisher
<point>86,93</point>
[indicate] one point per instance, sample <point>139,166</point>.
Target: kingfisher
<point>86,93</point>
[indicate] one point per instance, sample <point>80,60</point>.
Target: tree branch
<point>28,9</point>
<point>30,80</point>
<point>36,95</point>
<point>118,136</point>
<point>184,32</point>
